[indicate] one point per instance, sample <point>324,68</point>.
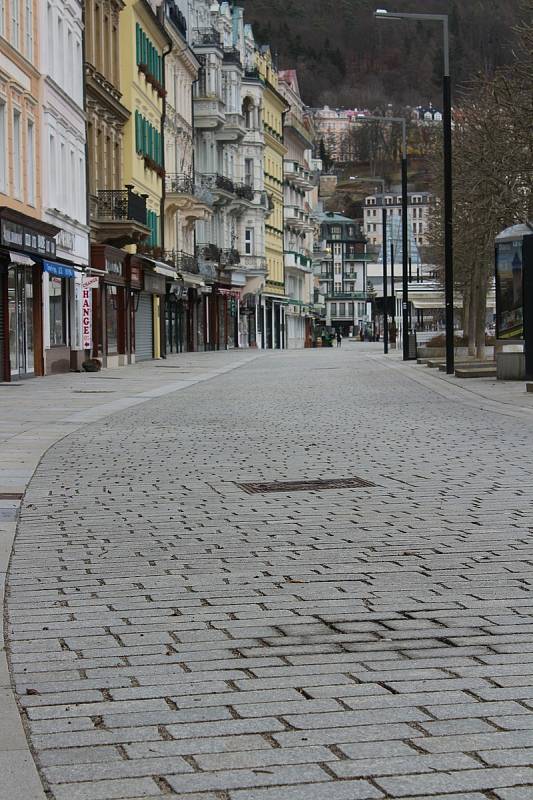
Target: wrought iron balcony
<point>208,252</point>
<point>229,257</point>
<point>120,204</point>
<point>183,262</point>
<point>232,56</point>
<point>179,183</point>
<point>176,17</point>
<point>206,37</point>
<point>252,74</point>
<point>245,191</point>
<point>118,216</point>
<point>214,181</point>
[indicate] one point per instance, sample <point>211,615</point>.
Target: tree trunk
<point>472,308</point>
<point>481,315</point>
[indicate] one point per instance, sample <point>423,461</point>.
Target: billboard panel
<point>509,294</point>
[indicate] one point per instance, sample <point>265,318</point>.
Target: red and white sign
<point>90,282</point>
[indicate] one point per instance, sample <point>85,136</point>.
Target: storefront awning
<point>160,268</point>
<point>191,280</point>
<point>59,270</point>
<point>20,258</point>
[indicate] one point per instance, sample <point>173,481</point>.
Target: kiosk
<point>514,303</point>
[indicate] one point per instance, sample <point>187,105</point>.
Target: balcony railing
<point>229,257</point>
<point>245,191</point>
<point>179,183</point>
<point>183,262</point>
<point>208,252</point>
<point>252,74</point>
<point>232,56</point>
<point>176,17</point>
<point>206,37</point>
<point>119,204</point>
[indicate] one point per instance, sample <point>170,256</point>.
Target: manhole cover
<point>305,486</point>
<point>11,495</point>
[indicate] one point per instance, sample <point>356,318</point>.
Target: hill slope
<point>345,57</point>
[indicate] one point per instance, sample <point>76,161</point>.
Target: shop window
<point>58,310</point>
<point>111,318</point>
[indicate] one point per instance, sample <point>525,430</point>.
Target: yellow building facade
<point>274,105</point>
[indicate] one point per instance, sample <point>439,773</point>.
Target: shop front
<point>150,310</point>
<point>227,302</point>
<point>178,319</point>
<point>24,243</point>
<point>111,343</point>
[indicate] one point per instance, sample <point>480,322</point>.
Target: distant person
<point>339,339</point>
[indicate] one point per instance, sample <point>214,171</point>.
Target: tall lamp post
<point>405,243</point>
<point>381,13</point>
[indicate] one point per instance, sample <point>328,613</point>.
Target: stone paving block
<point>347,790</point>
<point>232,779</point>
<point>107,790</point>
<point>467,780</point>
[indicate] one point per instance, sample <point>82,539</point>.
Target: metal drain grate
<point>11,495</point>
<point>305,486</point>
<point>93,391</point>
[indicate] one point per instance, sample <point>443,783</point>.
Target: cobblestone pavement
<point>174,637</point>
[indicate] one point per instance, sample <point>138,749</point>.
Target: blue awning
<point>60,270</point>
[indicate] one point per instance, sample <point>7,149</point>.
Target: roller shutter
<point>144,332</point>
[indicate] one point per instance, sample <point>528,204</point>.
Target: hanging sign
<point>89,283</point>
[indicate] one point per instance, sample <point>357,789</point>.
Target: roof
<point>330,216</point>
<point>515,232</point>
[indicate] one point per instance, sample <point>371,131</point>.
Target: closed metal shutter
<point>144,334</point>
<point>3,321</point>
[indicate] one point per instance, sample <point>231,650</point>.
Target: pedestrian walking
<point>339,339</point>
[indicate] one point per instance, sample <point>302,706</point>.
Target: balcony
<point>229,257</point>
<point>252,74</point>
<point>176,17</point>
<point>297,261</point>
<point>233,129</point>
<point>118,217</point>
<point>208,252</point>
<point>232,57</point>
<point>209,111</point>
<point>206,38</point>
<point>297,174</point>
<point>296,217</point>
<point>297,125</point>
<point>181,261</point>
<point>184,195</point>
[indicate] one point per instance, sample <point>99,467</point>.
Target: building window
<point>17,152</point>
<point>57,292</point>
<point>333,308</point>
<point>15,23</point>
<point>338,287</point>
<point>3,146</point>
<point>30,152</point>
<point>374,212</point>
<point>29,30</point>
<point>1,17</point>
<point>342,309</point>
<point>249,241</point>
<point>336,231</point>
<point>249,171</point>
<point>350,309</point>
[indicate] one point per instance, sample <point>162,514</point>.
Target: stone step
<point>487,370</point>
<point>529,387</point>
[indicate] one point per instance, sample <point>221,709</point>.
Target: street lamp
<point>405,244</point>
<point>381,181</point>
<point>382,13</point>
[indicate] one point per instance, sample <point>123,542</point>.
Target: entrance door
<point>21,332</point>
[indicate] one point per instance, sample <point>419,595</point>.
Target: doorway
<point>21,322</point>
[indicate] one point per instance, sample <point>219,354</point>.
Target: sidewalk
<point>173,636</point>
<point>34,415</point>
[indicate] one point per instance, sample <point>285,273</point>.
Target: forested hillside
<point>345,57</point>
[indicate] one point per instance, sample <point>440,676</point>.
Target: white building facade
<point>64,184</point>
<point>419,205</point>
<point>298,225</point>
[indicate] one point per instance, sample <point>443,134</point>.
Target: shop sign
<point>20,236</point>
<point>89,283</point>
<point>65,240</point>
<point>135,276</point>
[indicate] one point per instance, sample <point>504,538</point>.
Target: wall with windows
<point>142,43</point>
<point>63,159</point>
<point>20,179</point>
